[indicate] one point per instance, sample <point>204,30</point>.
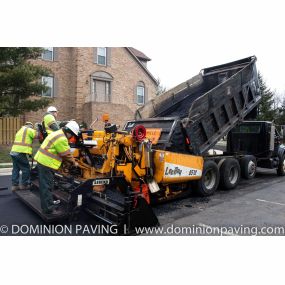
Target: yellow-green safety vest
<point>23,140</point>
<point>49,119</point>
<point>52,149</point>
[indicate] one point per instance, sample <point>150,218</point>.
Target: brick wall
<point>72,70</point>
<point>118,114</point>
<point>64,76</point>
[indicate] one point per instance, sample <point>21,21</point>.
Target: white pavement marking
<point>265,201</point>
<point>215,229</point>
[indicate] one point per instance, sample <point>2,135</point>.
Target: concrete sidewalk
<point>6,164</point>
<point>6,168</point>
<point>5,171</point>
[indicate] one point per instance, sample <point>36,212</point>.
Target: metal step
<point>62,196</point>
<point>107,203</point>
<point>33,201</point>
<point>100,217</point>
<point>35,183</point>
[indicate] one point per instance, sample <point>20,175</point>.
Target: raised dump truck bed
<point>208,105</point>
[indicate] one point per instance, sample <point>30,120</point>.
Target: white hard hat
<point>73,126</point>
<point>29,124</point>
<point>51,109</point>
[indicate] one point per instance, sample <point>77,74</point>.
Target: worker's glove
<point>75,164</point>
<point>64,167</point>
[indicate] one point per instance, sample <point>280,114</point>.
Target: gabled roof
<point>139,54</point>
<point>130,50</point>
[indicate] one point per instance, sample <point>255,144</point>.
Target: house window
<point>48,81</point>
<point>101,84</point>
<point>48,53</point>
<point>101,55</point>
<point>140,93</point>
<point>101,90</point>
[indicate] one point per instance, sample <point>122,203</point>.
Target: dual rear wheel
<point>229,174</point>
<point>226,173</point>
<point>209,181</point>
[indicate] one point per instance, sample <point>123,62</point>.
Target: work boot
<point>25,187</point>
<point>15,188</point>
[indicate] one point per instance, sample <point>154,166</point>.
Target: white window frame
<point>105,55</point>
<point>44,79</point>
<point>139,95</point>
<point>50,49</point>
<point>107,94</point>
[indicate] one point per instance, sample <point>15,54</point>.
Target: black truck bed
<point>208,105</point>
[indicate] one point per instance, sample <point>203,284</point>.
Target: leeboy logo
<point>101,182</point>
<point>174,170</point>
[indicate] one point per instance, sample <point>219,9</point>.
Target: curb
<point>11,164</point>
<point>5,171</point>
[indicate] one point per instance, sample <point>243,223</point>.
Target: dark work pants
<point>20,163</point>
<point>46,179</point>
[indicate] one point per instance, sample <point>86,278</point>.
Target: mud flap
<point>142,215</point>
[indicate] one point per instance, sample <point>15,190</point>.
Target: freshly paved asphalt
<point>15,212</point>
<point>12,210</point>
<point>257,202</point>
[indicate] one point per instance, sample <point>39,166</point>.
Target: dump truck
<point>162,154</point>
<point>216,103</point>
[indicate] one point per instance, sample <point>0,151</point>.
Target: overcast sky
<point>195,38</point>
<point>191,59</point>
<point>181,37</point>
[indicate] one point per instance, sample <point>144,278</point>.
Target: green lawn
<point>4,153</point>
<point>5,150</point>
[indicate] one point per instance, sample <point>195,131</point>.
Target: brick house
<point>88,82</point>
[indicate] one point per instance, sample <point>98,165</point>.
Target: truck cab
<point>258,138</point>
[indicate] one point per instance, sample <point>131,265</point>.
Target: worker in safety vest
<point>49,121</point>
<point>53,151</point>
<point>21,148</point>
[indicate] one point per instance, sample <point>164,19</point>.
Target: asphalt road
<point>258,202</point>
<point>15,212</point>
<point>12,210</point>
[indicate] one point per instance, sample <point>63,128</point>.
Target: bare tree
<point>160,89</point>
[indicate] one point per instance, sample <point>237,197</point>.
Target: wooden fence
<point>8,128</point>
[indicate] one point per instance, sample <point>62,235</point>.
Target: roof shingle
<point>139,54</point>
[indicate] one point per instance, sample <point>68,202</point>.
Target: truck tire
<point>229,174</point>
<point>209,181</point>
<point>248,167</point>
<point>281,167</point>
